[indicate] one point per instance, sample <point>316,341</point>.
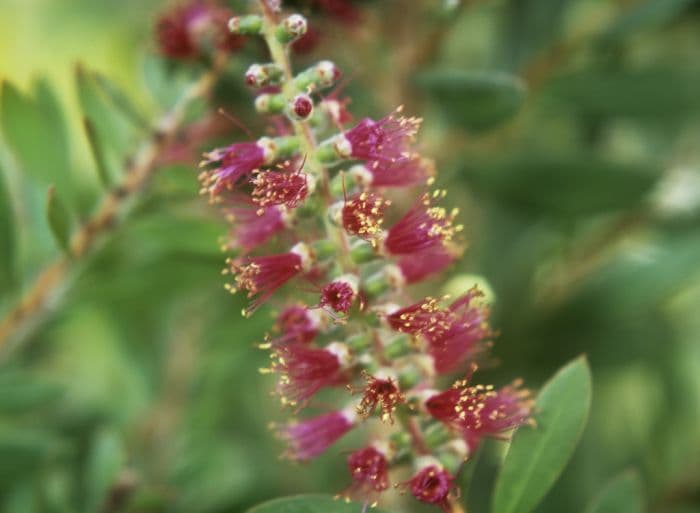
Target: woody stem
<point>51,280</point>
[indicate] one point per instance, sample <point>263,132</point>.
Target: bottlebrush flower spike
<point>387,349</point>
<point>308,438</point>
<point>479,411</point>
<point>303,371</point>
<point>423,227</point>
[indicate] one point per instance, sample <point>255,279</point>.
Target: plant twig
<point>50,280</point>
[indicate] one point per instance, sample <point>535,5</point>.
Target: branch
<point>49,283</point>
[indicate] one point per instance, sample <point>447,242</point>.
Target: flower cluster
<point>328,221</point>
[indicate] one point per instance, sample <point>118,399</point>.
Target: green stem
<point>279,56</point>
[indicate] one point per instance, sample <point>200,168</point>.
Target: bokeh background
<point>566,130</point>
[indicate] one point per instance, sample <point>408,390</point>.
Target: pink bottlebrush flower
<point>462,333</point>
<point>369,470</point>
<point>419,318</point>
<point>415,268</point>
<point>287,186</point>
<point>433,485</point>
<point>403,172</point>
<point>235,162</point>
<point>303,370</point>
<point>181,32</point>
<point>479,411</point>
<point>384,141</point>
<point>223,38</point>
<point>309,438</point>
<point>382,392</point>
<point>253,227</point>
<point>423,227</point>
<point>176,30</point>
<point>262,276</point>
<point>363,214</point>
<point>298,324</point>
<point>339,294</point>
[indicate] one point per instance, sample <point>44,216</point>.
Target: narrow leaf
<point>20,392</point>
<point>474,100</point>
<point>621,495</point>
<point>97,153</point>
<point>59,219</point>
<point>309,504</point>
<point>649,14</point>
<point>121,101</point>
<point>105,461</point>
<point>538,455</point>
<point>7,237</point>
<point>114,132</point>
<point>36,134</point>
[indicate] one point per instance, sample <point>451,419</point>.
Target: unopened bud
<point>261,75</point>
<point>327,73</point>
<point>292,28</point>
<point>269,103</point>
<point>300,107</point>
<point>323,74</point>
<point>245,25</point>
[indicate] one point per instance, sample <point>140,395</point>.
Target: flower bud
<point>292,28</point>
<point>245,25</point>
<point>300,107</point>
<point>269,103</point>
<point>261,75</point>
<point>323,74</point>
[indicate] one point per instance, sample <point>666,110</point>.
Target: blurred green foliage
<point>566,130</point>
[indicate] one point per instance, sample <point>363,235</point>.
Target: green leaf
<point>308,504</point>
<point>106,459</point>
<point>621,495</point>
<point>7,237</point>
<point>562,185</point>
<point>538,455</point>
<point>21,392</point>
<point>474,100</point>
<point>165,81</point>
<point>59,220</point>
<point>114,132</point>
<point>121,101</point>
<point>23,451</point>
<point>529,26</point>
<point>653,94</point>
<point>97,153</point>
<point>646,15</point>
<point>36,134</point>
